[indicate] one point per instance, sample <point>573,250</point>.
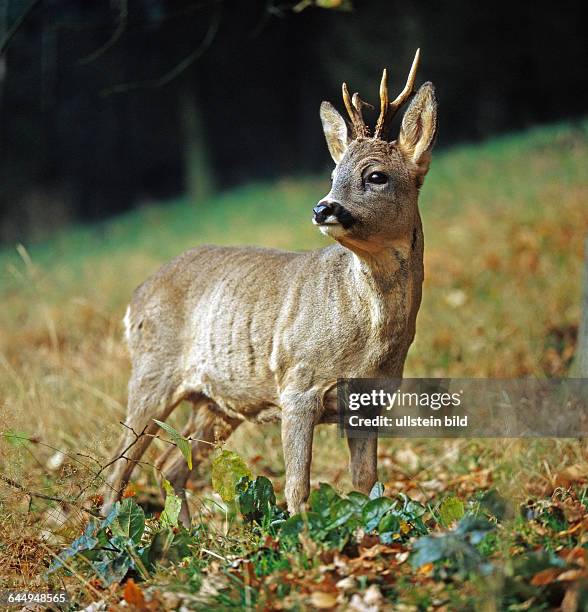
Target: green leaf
<point>341,513</point>
<point>359,500</point>
<point>377,491</point>
<point>321,499</point>
<point>389,523</point>
<point>374,510</point>
<point>256,499</point>
<point>299,522</point>
<point>494,504</point>
<point>474,528</point>
<point>226,470</point>
<point>182,443</point>
<point>452,509</point>
<point>130,522</point>
<point>428,550</point>
<point>84,542</point>
<point>172,507</point>
<point>115,562</point>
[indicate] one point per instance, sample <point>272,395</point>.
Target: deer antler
<point>354,106</point>
<point>389,109</point>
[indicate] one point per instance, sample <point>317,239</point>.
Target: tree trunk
<point>198,173</point>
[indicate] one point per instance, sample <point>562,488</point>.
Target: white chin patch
<point>334,231</point>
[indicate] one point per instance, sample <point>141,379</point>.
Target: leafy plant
<point>458,546</point>
<point>180,441</point>
<point>121,543</point>
<point>227,468</point>
<point>257,502</point>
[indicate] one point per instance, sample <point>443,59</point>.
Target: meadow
<point>505,225</point>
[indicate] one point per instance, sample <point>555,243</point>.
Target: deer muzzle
<point>332,213</point>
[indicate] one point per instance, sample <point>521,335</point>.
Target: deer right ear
<point>335,130</point>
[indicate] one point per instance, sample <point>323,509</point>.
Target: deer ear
<point>335,130</point>
<point>418,130</point>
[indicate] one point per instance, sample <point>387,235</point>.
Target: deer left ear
<point>418,131</point>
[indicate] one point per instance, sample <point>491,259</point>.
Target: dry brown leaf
<point>546,576</point>
<point>133,595</point>
<point>323,601</point>
<point>572,574</point>
<point>575,555</point>
<point>573,473</point>
<point>570,601</point>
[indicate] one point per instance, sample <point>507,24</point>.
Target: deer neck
<point>388,279</point>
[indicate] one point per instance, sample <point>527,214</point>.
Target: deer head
<point>373,198</point>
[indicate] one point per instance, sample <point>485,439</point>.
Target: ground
<point>505,223</point>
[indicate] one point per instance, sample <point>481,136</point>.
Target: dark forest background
<point>105,106</point>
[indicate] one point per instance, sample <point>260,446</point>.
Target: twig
<point>60,500</point>
<point>123,20</point>
<point>120,456</point>
<point>17,24</point>
<point>178,68</point>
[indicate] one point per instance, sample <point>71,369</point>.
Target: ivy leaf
<point>114,566</point>
<point>359,500</point>
<point>256,498</point>
<point>83,543</point>
<point>226,470</point>
<point>389,523</point>
<point>299,522</point>
<point>377,491</point>
<point>374,510</point>
<point>182,443</point>
<point>130,522</point>
<point>322,499</point>
<point>451,510</point>
<point>341,512</point>
<point>172,507</point>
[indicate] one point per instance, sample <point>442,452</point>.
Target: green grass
<point>505,223</point>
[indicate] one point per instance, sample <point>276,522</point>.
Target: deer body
<point>258,334</point>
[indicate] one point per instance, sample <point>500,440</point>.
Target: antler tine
<point>407,91</point>
<point>358,103</point>
<point>383,104</point>
<point>353,106</point>
<point>389,109</point>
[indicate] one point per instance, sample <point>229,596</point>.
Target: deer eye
<point>378,178</point>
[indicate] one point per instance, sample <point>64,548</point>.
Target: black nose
<point>322,211</point>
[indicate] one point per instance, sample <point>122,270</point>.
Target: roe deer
<point>258,334</point>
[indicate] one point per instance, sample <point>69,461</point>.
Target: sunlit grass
<point>505,224</point>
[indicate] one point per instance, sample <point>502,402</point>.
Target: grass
<point>505,224</point>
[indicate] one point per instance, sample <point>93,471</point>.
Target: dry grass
<point>505,225</point>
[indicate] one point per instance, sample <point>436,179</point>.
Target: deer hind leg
<point>150,397</point>
<point>363,463</point>
<point>205,427</point>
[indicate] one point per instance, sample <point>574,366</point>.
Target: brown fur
<point>257,334</point>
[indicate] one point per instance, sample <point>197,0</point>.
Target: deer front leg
<point>299,416</point>
<point>363,463</point>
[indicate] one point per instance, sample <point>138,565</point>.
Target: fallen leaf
<point>573,473</point>
<point>133,595</point>
<point>572,574</point>
<point>322,600</point>
<point>546,576</point>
